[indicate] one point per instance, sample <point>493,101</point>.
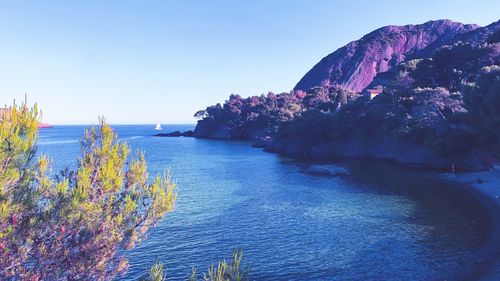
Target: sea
<point>376,221</point>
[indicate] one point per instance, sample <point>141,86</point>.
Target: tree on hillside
<point>482,99</point>
<point>73,226</point>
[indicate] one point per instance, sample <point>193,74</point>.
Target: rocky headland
<point>424,95</point>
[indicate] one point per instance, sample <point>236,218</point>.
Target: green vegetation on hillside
<point>260,116</point>
<point>448,103</point>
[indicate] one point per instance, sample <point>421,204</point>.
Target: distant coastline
<point>5,112</point>
<point>42,125</point>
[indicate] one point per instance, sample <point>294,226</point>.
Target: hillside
<point>436,111</point>
<point>357,63</point>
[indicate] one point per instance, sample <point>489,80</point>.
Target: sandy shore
<point>486,186</point>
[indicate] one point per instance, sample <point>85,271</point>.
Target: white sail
<point>158,126</point>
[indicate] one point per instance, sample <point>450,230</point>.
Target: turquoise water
<point>380,222</point>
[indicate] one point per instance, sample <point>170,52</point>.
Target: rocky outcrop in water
<point>176,134</point>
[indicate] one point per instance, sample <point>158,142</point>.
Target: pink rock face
<point>355,65</point>
<point>43,125</point>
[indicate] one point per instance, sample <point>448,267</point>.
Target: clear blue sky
<point>149,61</point>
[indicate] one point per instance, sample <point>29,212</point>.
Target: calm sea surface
<point>381,222</point>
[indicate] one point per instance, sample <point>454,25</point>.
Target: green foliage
<point>232,271</point>
<point>227,272</point>
<point>156,273</point>
<point>17,145</point>
<point>200,114</point>
<point>73,226</point>
<point>259,116</point>
<point>494,38</point>
<point>483,101</point>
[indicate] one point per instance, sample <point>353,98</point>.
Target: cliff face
<point>356,64</point>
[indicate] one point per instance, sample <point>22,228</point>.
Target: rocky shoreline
<point>388,148</point>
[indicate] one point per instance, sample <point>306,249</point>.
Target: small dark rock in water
<point>176,134</point>
<point>172,134</point>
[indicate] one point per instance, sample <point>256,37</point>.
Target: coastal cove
<point>294,220</point>
<point>250,140</point>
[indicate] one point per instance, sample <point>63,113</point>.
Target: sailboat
<point>158,127</point>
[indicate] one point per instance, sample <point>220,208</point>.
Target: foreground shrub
<point>232,271</point>
<point>224,271</point>
<point>74,226</point>
<point>156,273</point>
